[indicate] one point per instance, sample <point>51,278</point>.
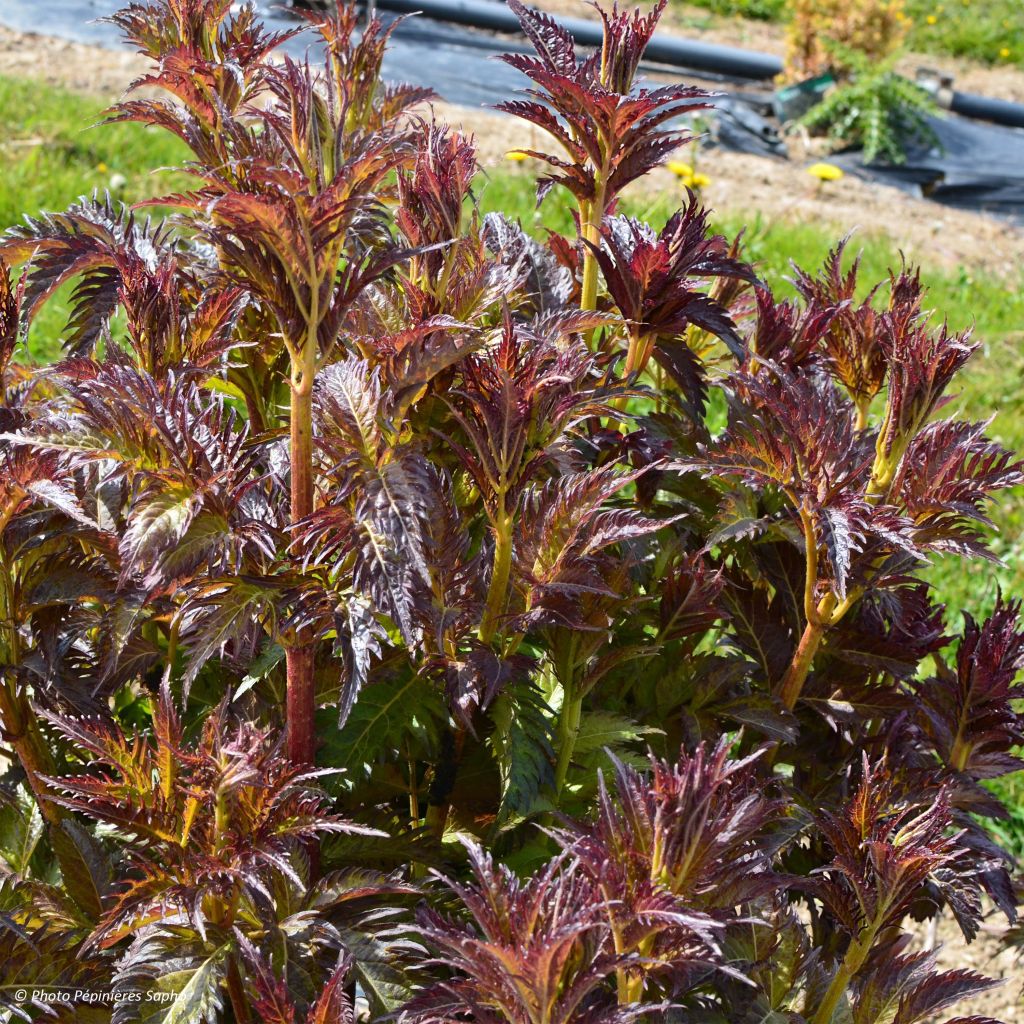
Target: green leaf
<point>197,992</point>
<point>84,867</point>
<point>270,657</point>
<point>386,715</point>
<point>21,827</point>
<point>382,982</point>
<point>604,729</point>
<point>522,746</point>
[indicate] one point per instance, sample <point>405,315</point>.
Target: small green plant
<point>876,108</point>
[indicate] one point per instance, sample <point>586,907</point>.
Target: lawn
<point>991,31</point>
<point>53,150</point>
<point>49,160</point>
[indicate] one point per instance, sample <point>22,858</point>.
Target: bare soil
<point>778,190</point>
<point>74,66</point>
<point>988,956</point>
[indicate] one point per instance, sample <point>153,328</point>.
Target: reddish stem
<point>21,729</point>
<point>301,704</point>
<point>301,696</point>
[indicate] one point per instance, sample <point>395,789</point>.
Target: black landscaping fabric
<point>979,166</point>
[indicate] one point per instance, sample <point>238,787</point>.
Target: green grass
<point>52,151</point>
<point>1009,832</point>
<point>49,158</point>
<point>991,31</point>
<point>759,10</point>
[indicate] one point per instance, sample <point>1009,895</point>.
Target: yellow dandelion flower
<point>102,167</point>
<point>679,169</point>
<point>698,181</point>
<point>516,155</point>
<point>1004,52</point>
<point>825,172</point>
<point>931,19</point>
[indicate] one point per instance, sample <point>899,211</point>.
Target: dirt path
<point>989,957</point>
<point>75,66</point>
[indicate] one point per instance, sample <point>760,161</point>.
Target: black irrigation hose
<point>983,108</point>
<point>496,17</point>
<point>671,50</point>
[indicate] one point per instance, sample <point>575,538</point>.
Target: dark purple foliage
<point>596,707</point>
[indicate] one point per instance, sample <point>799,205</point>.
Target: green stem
<point>588,287</point>
<point>883,470</point>
<point>960,753</point>
<point>638,353</point>
<point>852,963</point>
<point>501,571</point>
<point>631,990</point>
<point>863,404</point>
<point>221,818</point>
<point>591,219</point>
<point>840,983</point>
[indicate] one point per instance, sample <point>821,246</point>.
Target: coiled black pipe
<point>676,52</point>
<point>984,108</point>
<point>496,17</point>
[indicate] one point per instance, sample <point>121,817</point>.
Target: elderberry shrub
<point>595,710</point>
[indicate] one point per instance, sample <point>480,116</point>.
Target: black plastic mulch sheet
<point>978,167</point>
